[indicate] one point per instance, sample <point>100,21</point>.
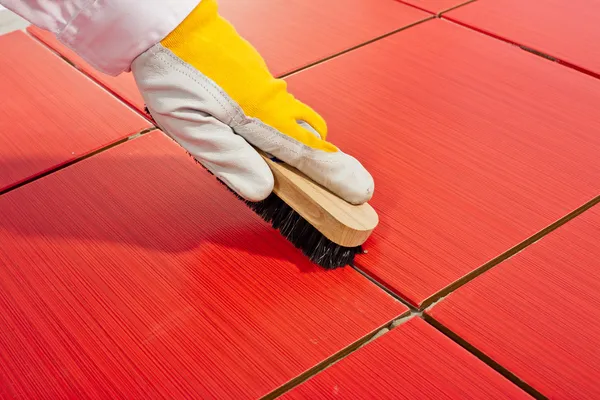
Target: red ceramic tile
<point>434,6</point>
<point>134,274</point>
<point>295,33</point>
<point>538,314</point>
<point>564,29</point>
<point>474,144</point>
<point>413,361</point>
<point>51,114</point>
<point>122,86</point>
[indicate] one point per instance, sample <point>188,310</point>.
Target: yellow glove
<point>207,87</point>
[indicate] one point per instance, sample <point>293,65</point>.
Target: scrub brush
<point>327,229</point>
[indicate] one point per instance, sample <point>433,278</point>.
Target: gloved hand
<point>211,91</point>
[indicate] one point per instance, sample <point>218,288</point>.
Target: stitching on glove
<point>306,152</point>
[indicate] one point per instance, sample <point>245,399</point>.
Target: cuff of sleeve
<point>109,35</point>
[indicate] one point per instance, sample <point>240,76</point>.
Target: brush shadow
<point>160,203</point>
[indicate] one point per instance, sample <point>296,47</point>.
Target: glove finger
<point>337,171</point>
<point>228,156</point>
<point>306,114</point>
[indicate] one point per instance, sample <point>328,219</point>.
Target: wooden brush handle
<point>341,222</point>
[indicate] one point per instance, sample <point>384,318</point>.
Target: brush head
<point>302,234</point>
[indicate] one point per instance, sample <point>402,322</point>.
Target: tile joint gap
<point>439,14</point>
<point>142,132</point>
<point>391,293</point>
<point>428,303</point>
<point>77,160</point>
<point>514,379</point>
<point>434,14</point>
<point>351,49</point>
<point>416,7</point>
<point>340,355</point>
<point>530,50</point>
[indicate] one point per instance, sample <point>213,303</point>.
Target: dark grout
<point>440,295</point>
<point>421,312</point>
<point>95,152</point>
<point>524,47</point>
<point>439,13</point>
<point>76,160</point>
<point>507,254</point>
<point>397,322</point>
<point>483,357</point>
<point>297,70</point>
<point>388,291</point>
<point>340,355</point>
<point>538,53</point>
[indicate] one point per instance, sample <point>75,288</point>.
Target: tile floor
<point>127,272</point>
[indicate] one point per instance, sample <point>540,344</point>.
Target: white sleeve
<point>109,34</point>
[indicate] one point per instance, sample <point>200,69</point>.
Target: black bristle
<point>300,232</point>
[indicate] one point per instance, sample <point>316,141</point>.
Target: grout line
<point>524,47</point>
<point>435,298</point>
<point>439,13</point>
<point>387,290</point>
<point>112,94</point>
<point>321,61</point>
<point>76,160</point>
<point>484,358</point>
<point>416,7</point>
<point>507,254</point>
<point>340,355</point>
<point>538,53</point>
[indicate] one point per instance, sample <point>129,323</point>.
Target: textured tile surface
<point>538,313</point>
<point>434,6</point>
<point>413,361</point>
<point>475,146</point>
<point>135,274</point>
<point>295,33</point>
<point>51,114</point>
<point>564,29</point>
